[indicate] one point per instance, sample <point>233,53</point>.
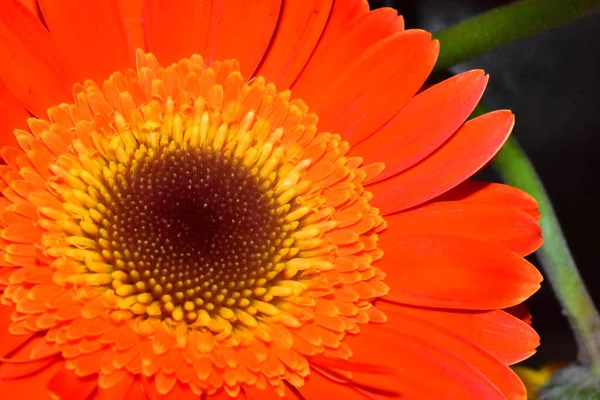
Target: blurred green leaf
<point>572,383</point>
<point>502,25</point>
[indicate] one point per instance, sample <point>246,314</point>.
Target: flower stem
<point>515,169</point>
<point>502,25</point>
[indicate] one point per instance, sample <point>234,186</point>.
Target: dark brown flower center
<point>193,227</point>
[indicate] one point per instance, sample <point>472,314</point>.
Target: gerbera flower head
<point>249,199</point>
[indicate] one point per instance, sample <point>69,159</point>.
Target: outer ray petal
<point>136,393</point>
<point>32,5</point>
<point>425,357</point>
<point>132,14</point>
<point>343,14</point>
<point>454,272</point>
<point>91,35</point>
<point>121,390</point>
<point>33,68</point>
<point>299,29</point>
<point>182,22</point>
<point>35,385</point>
<point>514,229</point>
<point>242,30</point>
<point>14,115</point>
<point>317,384</point>
<point>377,85</point>
<point>8,341</point>
<point>338,48</point>
<point>469,149</point>
<point>492,194</point>
<point>509,339</point>
<point>426,122</point>
<point>68,386</point>
<point>253,393</point>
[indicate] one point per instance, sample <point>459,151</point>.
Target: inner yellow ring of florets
<point>190,220</point>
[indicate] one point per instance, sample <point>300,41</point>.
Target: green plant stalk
<point>502,25</point>
<point>560,269</point>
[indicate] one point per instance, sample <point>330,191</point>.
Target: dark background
<point>551,81</point>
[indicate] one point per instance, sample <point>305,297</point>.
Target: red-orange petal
<point>179,391</point>
<point>35,386</point>
<point>338,48</point>
<point>492,194</point>
<point>121,390</point>
<point>317,384</point>
<point>343,14</point>
<point>253,393</point>
<point>428,361</point>
<point>509,339</point>
<point>32,6</point>
<point>299,29</point>
<point>68,386</point>
<point>14,115</point>
<point>469,149</point>
<point>8,341</point>
<point>512,228</point>
<point>377,85</point>
<point>454,272</point>
<point>33,68</point>
<point>242,30</point>
<point>132,15</point>
<point>426,122</point>
<point>175,29</point>
<point>90,34</point>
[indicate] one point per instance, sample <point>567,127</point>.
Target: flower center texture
<point>193,229</point>
<point>186,214</point>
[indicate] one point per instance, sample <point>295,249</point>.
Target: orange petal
<point>175,29</point>
<point>242,30</point>
<point>423,125</point>
<point>492,194</point>
<point>8,341</point>
<point>136,392</point>
<point>454,272</point>
<point>19,370</point>
<point>33,69</point>
<point>32,6</point>
<point>377,85</point>
<point>509,339</point>
<point>132,14</point>
<point>13,114</point>
<point>68,386</point>
<point>118,391</point>
<point>335,53</point>
<point>253,393</point>
<point>222,395</point>
<point>508,227</point>
<point>178,391</point>
<point>34,386</point>
<point>342,15</point>
<point>428,361</point>
<point>300,26</point>
<point>317,384</point>
<point>469,149</point>
<point>91,35</point>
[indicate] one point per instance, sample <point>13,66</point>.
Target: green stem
<point>489,30</point>
<point>515,169</point>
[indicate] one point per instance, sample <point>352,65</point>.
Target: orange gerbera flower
<point>209,217</point>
